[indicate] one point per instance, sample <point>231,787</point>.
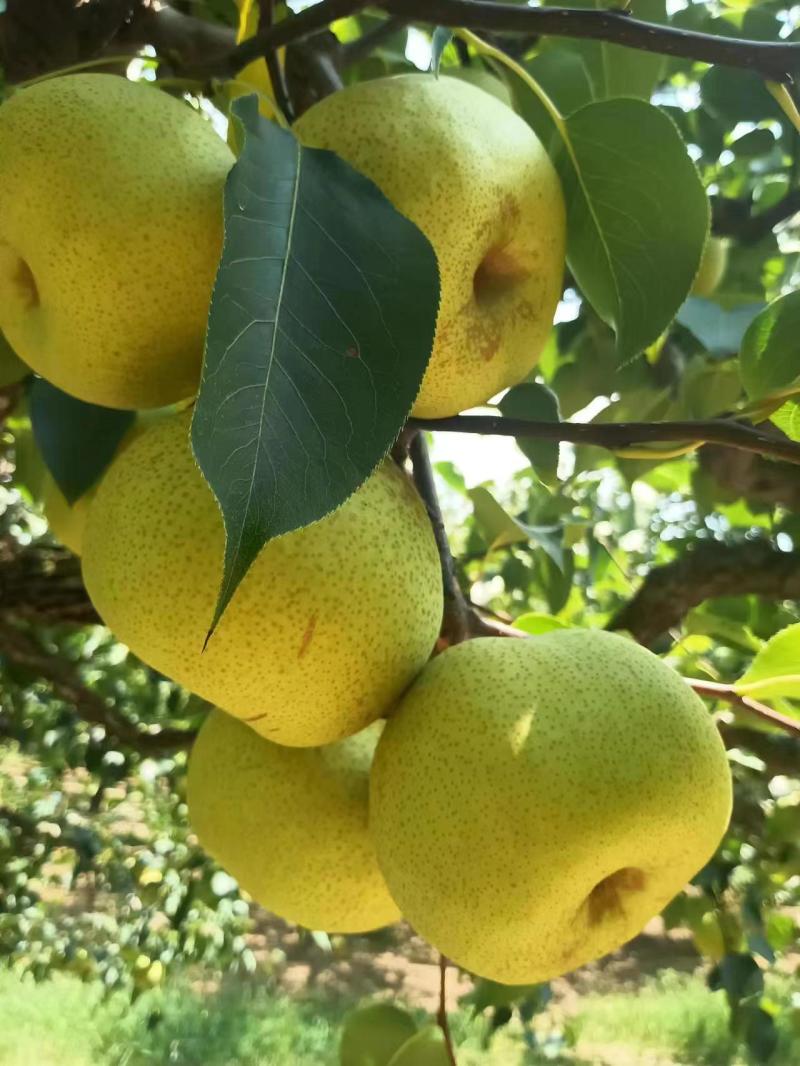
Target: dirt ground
<point>396,962</point>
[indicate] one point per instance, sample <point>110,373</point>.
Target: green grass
<point>47,1024</point>
<point>678,1015</point>
<point>64,1023</point>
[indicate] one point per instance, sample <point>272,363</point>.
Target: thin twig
<point>776,61</point>
<point>457,612</point>
<point>714,690</point>
<point>277,75</point>
<point>441,1014</point>
<point>618,436</point>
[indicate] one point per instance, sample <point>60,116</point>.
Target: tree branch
<point>733,218</point>
<point>752,477</point>
<point>706,571</point>
<point>457,612</point>
<point>713,690</point>
<point>20,648</point>
<point>776,61</point>
<point>618,436</point>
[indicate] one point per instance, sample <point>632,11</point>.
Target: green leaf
<point>77,440</point>
<point>488,993</point>
<point>787,419</point>
<point>534,622</point>
<point>617,71</point>
<point>563,76</point>
<point>770,355</point>
<point>556,579</point>
<point>637,218</point>
<point>441,38</point>
<point>775,671</point>
<point>536,403</point>
<point>321,326</point>
<point>498,527</point>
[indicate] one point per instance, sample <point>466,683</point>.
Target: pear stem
<point>441,1014</point>
<point>457,612</point>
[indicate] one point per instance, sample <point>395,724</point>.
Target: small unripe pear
<point>712,269</point>
<point>372,1034</point>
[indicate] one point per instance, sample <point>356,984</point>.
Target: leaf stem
<point>716,691</point>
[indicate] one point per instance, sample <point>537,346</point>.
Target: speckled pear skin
<point>110,234</point>
<point>535,802</point>
<point>329,626</point>
<point>290,825</point>
<point>472,175</point>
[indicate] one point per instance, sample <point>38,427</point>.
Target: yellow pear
<point>110,234</point>
<point>426,1048</point>
<point>327,629</point>
<point>290,825</point>
<point>478,75</point>
<point>372,1034</point>
<point>536,801</point>
<point>712,268</point>
<point>476,180</point>
<point>67,521</point>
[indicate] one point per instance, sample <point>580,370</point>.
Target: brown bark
<point>705,571</point>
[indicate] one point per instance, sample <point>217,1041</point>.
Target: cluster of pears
<point>527,804</point>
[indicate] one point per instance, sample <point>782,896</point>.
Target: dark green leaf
<point>321,326</point>
<point>536,403</point>
<point>738,975</point>
<point>488,993</point>
<point>77,440</point>
<point>637,220</point>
